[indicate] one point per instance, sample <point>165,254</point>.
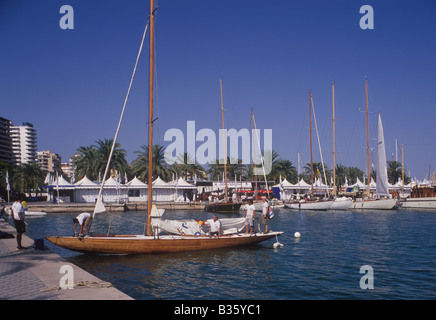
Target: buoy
<point>297,235</point>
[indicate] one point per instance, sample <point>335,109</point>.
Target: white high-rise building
<point>24,143</point>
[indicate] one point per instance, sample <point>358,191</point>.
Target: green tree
<point>234,167</point>
<point>394,171</point>
<point>352,173</point>
<point>185,167</point>
<point>85,162</point>
<point>118,161</point>
<point>139,166</point>
<point>317,172</point>
<point>28,178</point>
<point>285,169</point>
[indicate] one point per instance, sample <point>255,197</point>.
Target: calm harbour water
<point>324,263</point>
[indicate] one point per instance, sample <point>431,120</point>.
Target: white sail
<point>382,175</point>
<point>99,206</point>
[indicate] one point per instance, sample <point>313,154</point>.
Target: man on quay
<point>19,220</point>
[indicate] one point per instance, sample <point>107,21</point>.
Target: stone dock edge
<point>33,274</point>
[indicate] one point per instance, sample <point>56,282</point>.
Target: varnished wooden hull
<point>228,207</point>
<point>132,244</point>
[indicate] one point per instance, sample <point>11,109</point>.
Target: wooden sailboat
<point>382,180</point>
<point>311,204</point>
<point>152,242</point>
<point>226,206</point>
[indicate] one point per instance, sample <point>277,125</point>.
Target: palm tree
<point>317,171</point>
<point>394,171</point>
<point>215,171</point>
<point>340,172</point>
<point>185,167</point>
<point>27,178</point>
<point>118,161</point>
<point>283,168</point>
<point>352,173</point>
<point>85,162</point>
<point>139,166</point>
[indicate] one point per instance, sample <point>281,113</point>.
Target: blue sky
<point>71,84</point>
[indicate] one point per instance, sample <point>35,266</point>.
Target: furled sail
<point>382,175</point>
<point>196,227</point>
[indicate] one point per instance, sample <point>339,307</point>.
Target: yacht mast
<point>224,144</point>
<point>150,123</point>
<point>311,158</point>
<point>367,138</point>
<point>334,153</point>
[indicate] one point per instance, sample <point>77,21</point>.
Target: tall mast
<point>402,169</point>
<point>150,123</point>
<point>334,153</point>
<point>311,159</point>
<point>367,135</point>
<point>224,144</point>
<point>254,153</point>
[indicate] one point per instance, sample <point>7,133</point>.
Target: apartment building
<point>48,161</point>
<point>24,143</point>
<point>5,141</point>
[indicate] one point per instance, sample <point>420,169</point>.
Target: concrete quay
<point>32,274</point>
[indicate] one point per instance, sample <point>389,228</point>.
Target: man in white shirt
<point>249,216</point>
<point>265,212</point>
<point>19,220</point>
<point>215,226</point>
<point>82,219</point>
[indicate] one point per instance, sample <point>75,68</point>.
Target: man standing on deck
<point>249,216</point>
<point>19,220</point>
<point>265,212</point>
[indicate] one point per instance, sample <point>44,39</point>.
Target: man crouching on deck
<point>215,226</point>
<point>82,219</point>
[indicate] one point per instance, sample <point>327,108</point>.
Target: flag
<point>47,178</point>
<point>200,222</point>
<point>8,187</point>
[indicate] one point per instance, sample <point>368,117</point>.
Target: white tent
<point>162,191</point>
<point>135,182</point>
<point>58,187</point>
<point>61,182</point>
<point>85,183</point>
<point>358,184</point>
<point>85,190</point>
<point>136,190</point>
<point>114,191</point>
<point>181,187</point>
